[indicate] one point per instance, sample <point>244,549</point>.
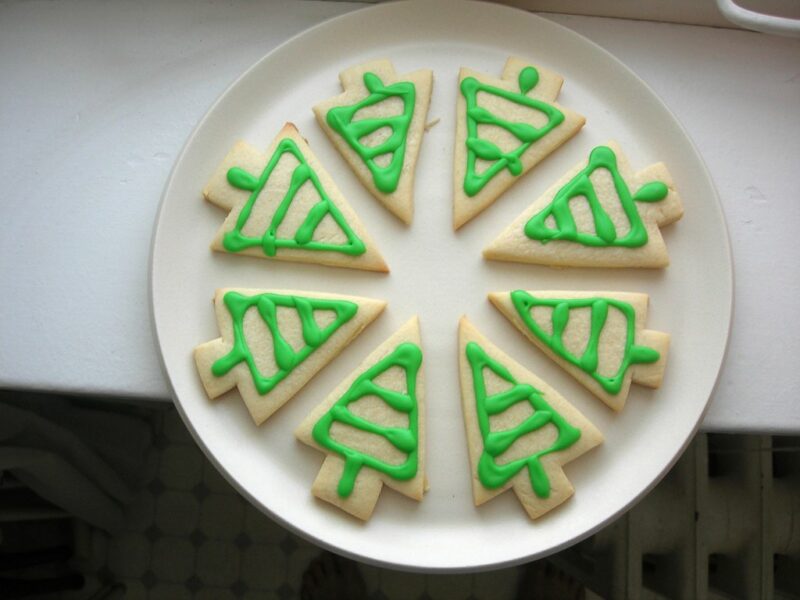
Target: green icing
<point>526,133</point>
<point>602,157</point>
<point>408,357</point>
<point>236,241</point>
<point>588,361</point>
<point>492,474</point>
<point>340,119</point>
<point>286,358</point>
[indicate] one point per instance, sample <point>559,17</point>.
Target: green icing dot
<point>491,473</point>
<point>408,357</point>
<point>286,358</point>
<point>524,303</point>
<point>235,240</point>
<point>654,191</point>
<point>239,178</point>
<point>580,186</point>
<point>528,79</point>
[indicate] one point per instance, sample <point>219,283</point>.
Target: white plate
<point>440,275</point>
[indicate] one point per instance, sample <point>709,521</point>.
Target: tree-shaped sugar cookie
<point>377,125</point>
<point>504,128</point>
<point>598,337</point>
<point>372,426</point>
<point>284,205</point>
<point>520,431</point>
<point>600,214</point>
<point>272,342</point>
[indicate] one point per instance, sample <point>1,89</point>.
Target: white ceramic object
<point>440,275</point>
<point>757,21</point>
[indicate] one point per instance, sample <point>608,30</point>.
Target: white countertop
<point>99,97</point>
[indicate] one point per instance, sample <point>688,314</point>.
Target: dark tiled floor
<point>189,534</point>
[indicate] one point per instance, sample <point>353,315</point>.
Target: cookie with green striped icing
<point>597,337</point>
<point>283,205</point>
<point>272,342</point>
<point>602,213</point>
<point>520,431</point>
<point>372,427</point>
<point>504,127</point>
<point>377,124</point>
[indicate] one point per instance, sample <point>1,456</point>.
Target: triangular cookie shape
<point>272,342</point>
<point>504,128</point>
<point>284,205</point>
<point>600,214</point>
<point>597,337</point>
<point>372,427</point>
<point>520,431</point>
<point>377,125</point>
